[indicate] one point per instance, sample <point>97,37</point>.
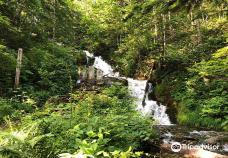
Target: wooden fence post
<point>84,76</point>
<point>99,76</point>
<point>18,68</point>
<point>91,74</point>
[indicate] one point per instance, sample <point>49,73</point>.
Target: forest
<point>179,46</point>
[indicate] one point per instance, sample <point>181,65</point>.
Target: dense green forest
<point>181,46</point>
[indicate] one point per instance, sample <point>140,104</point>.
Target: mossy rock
<point>82,60</point>
<point>224,139</point>
<point>151,96</point>
<point>172,112</point>
<point>91,61</point>
<point>178,137</point>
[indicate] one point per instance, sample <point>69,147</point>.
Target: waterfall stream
<point>151,107</point>
<point>138,90</point>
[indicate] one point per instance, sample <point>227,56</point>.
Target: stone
<point>91,74</point>
<point>213,140</point>
<point>83,76</point>
<point>187,153</point>
<point>99,76</point>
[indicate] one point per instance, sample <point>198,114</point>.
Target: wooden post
<point>84,76</point>
<point>164,34</point>
<point>18,68</point>
<point>99,76</point>
<point>91,74</point>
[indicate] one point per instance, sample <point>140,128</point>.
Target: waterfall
<point>87,60</point>
<point>78,81</point>
<point>99,63</point>
<point>137,88</point>
<point>151,107</point>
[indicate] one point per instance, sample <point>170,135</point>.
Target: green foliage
<point>95,124</point>
<point>216,68</point>
<point>7,68</point>
<point>187,116</point>
<point>116,89</point>
<point>114,154</point>
<point>46,31</point>
<point>185,46</point>
<point>16,107</point>
<point>55,69</point>
<point>20,143</point>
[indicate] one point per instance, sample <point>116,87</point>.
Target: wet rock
<point>167,152</point>
<point>213,140</point>
<point>151,96</point>
<point>90,60</point>
<point>178,137</point>
<point>172,112</point>
<point>163,136</point>
<point>224,139</point>
<point>189,138</point>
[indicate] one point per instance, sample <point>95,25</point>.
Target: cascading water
<point>138,90</point>
<point>87,60</point>
<point>153,108</point>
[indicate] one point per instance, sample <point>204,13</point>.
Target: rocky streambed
<point>193,136</point>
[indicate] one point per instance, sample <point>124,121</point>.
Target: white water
<point>138,90</point>
<point>152,107</point>
<point>78,81</point>
<point>87,60</point>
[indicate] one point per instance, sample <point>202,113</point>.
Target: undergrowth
<point>98,124</point>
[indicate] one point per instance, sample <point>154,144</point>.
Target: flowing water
<point>182,134</point>
<point>138,90</point>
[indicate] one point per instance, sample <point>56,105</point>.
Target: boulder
<point>213,140</point>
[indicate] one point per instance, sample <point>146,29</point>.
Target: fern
<point>20,143</point>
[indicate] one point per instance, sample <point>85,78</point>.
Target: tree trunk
<point>164,34</point>
<point>155,27</point>
<point>199,39</point>
<point>18,69</point>
<point>219,15</point>
<point>170,28</point>
<point>191,15</point>
<point>54,21</point>
<point>204,20</point>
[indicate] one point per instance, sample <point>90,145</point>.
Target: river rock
<point>189,138</point>
<point>213,140</point>
<point>178,137</point>
<point>166,152</point>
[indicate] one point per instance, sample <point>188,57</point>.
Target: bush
<point>7,68</point>
<point>97,125</point>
